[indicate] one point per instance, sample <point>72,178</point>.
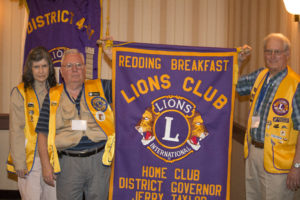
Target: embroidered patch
<point>171,128</point>
<point>284,127</point>
<point>99,104</point>
<point>281,106</point>
<point>94,94</point>
<point>276,126</point>
<point>276,136</point>
<point>100,116</point>
<point>282,133</point>
<point>30,104</point>
<point>281,119</point>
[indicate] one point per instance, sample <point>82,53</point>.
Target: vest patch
<point>94,94</point>
<point>281,119</point>
<point>281,106</point>
<point>99,103</point>
<point>100,116</point>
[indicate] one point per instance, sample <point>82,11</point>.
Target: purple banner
<point>173,112</point>
<point>60,25</point>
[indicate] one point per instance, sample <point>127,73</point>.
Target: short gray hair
<point>285,40</point>
<point>72,51</point>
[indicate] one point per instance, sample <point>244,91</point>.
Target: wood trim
<point>238,133</point>
<point>4,121</point>
<point>10,194</point>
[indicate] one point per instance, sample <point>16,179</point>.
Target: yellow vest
<point>99,108</point>
<point>280,137</point>
<point>31,108</point>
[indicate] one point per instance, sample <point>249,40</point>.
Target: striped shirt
<point>262,107</point>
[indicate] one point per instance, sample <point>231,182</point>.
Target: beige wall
<point>11,41</point>
<point>250,22</point>
<point>216,23</point>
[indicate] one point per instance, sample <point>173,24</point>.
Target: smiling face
<point>40,70</point>
<point>276,55</point>
<point>73,69</point>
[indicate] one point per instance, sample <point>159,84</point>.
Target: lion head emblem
<point>145,126</point>
<point>199,132</point>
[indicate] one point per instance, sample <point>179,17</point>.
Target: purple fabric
<point>59,25</point>
<point>173,159</point>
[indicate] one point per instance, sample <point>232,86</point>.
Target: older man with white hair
<point>272,145</point>
<point>76,131</point>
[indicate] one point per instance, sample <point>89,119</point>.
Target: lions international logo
<point>100,104</point>
<point>172,128</point>
<point>56,55</point>
<point>281,106</point>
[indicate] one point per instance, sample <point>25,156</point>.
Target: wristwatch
<point>297,165</point>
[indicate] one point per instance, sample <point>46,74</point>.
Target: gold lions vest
<point>280,137</point>
<point>97,105</point>
<point>31,108</point>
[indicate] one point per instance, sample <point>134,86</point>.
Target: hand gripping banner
<point>59,25</point>
<point>174,112</point>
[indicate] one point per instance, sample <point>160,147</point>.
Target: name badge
<point>255,121</point>
<point>79,125</point>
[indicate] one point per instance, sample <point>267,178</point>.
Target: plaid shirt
<point>244,87</point>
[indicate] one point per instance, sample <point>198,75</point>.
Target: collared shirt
<point>74,101</point>
<point>261,109</point>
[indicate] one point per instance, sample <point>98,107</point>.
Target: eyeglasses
<point>70,65</point>
<point>276,52</point>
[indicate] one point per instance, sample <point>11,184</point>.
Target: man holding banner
<point>272,144</point>
<point>77,121</point>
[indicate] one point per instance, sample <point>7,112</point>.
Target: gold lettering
<point>185,82</point>
<point>212,66</point>
<point>40,21</point>
<point>206,95</point>
<point>63,13</point>
<point>219,65</point>
<point>128,100</point>
<point>165,79</point>
<point>127,61</point>
<point>142,86</point>
<point>33,23</point>
<point>226,62</point>
<point>121,61</point>
<point>53,17</point>
<point>187,65</point>
<point>29,28</point>
<point>47,15</point>
<point>173,64</point>
<point>220,102</point>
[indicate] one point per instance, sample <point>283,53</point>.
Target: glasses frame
<point>70,65</point>
<point>275,52</point>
